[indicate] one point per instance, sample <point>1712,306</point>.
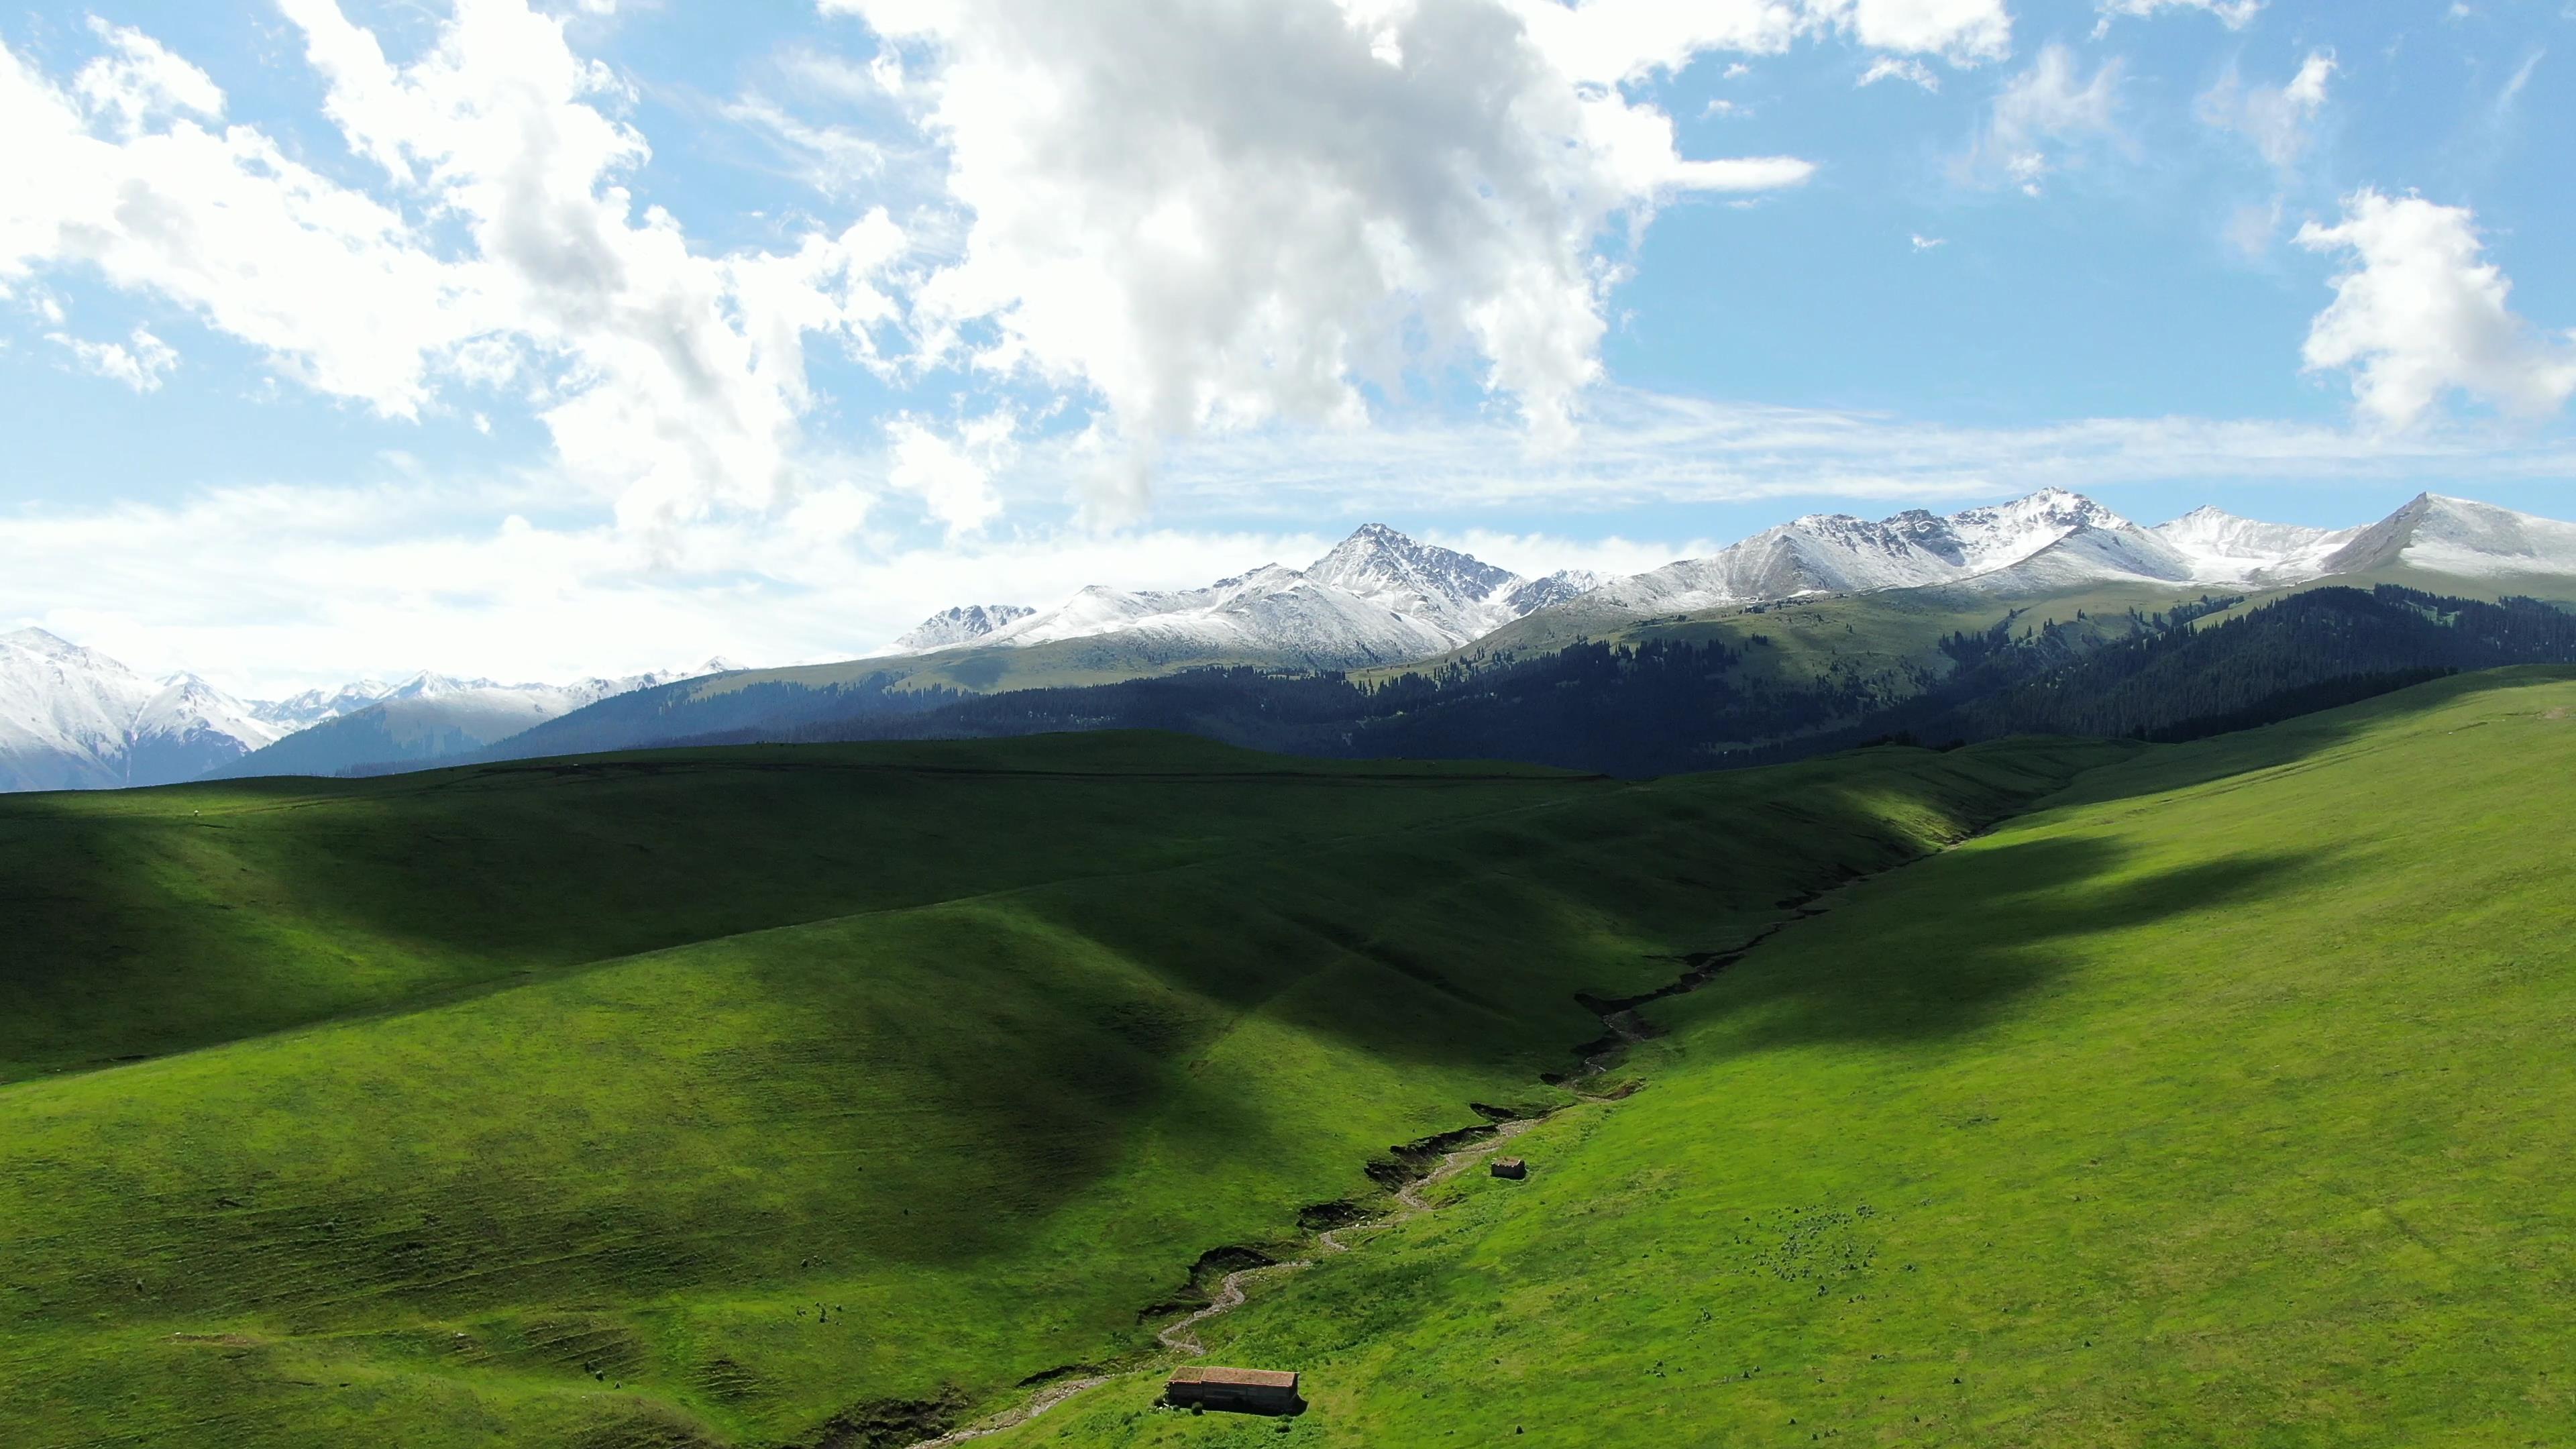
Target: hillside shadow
<point>2003,933</point>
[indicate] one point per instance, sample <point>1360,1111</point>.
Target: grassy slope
<point>146,922</point>
<point>979,1045</point>
<point>2223,1103</point>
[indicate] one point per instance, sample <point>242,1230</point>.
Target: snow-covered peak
<point>186,707</point>
<point>2222,546</point>
<point>960,625</point>
<point>430,685</point>
<point>38,641</point>
<point>2003,533</point>
<point>72,718</point>
<point>1840,553</point>
<point>316,705</point>
<point>1556,588</point>
<point>2462,538</point>
<point>1459,593</point>
<point>1377,596</point>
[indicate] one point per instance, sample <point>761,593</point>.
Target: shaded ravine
<point>1621,1028</point>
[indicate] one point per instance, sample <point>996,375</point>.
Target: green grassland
<point>2223,1101</point>
<point>754,1097</point>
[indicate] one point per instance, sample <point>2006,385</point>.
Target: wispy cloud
<point>1889,67</point>
<point>273,588</point>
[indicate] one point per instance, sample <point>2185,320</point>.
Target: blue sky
<point>532,341</point>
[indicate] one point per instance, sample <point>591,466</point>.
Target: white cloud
<point>1208,217</point>
<point>835,160</point>
<point>2276,119</point>
<point>679,377</point>
<point>2044,116</point>
<point>1619,40</point>
<point>1889,67</point>
<point>140,362</point>
<point>953,476</point>
<point>1924,243</point>
<point>2424,314</point>
<point>325,280</point>
<point>138,80</point>
<point>669,379</point>
<point>2234,14</point>
<point>2501,110</point>
<point>1964,30</point>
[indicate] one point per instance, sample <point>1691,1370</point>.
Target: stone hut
<point>1243,1391</point>
<point>1511,1167</point>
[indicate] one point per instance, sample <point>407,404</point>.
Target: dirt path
<point>1043,1400</point>
<point>1621,1028</point>
<point>1182,1337</point>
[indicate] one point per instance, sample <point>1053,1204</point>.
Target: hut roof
<point>1258,1378</point>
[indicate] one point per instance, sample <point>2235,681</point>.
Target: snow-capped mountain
<point>961,625</point>
<point>74,719</point>
<point>432,716</point>
<point>1456,593</point>
<point>2220,545</point>
<point>313,706</point>
<point>2053,541</point>
<point>1838,553</point>
<point>2460,538</point>
<point>1378,597</point>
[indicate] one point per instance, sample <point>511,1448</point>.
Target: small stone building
<point>1510,1167</point>
<point>1242,1391</point>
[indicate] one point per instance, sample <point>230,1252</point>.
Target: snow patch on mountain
<point>961,625</point>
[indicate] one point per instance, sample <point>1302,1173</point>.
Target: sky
<point>529,341</point>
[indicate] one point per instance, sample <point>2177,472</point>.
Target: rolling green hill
<point>826,1097</point>
<point>815,1096</point>
<point>2223,1102</point>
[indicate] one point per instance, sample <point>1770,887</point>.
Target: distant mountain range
<point>1381,598</point>
<point>1785,642</point>
<point>1377,598</point>
<point>73,719</point>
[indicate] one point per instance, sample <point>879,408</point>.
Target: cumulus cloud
<point>2278,120</point>
<point>2234,14</point>
<point>1211,216</point>
<point>2423,314</point>
<point>680,376</point>
<point>670,379</point>
<point>1964,30</point>
<point>952,473</point>
<point>140,362</point>
<point>2042,117</point>
<point>326,281</point>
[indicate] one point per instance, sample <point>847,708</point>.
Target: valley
<point>847,1098</point>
